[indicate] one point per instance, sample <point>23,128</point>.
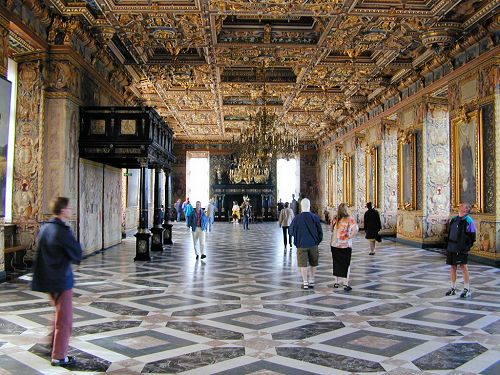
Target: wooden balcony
<point>125,137</point>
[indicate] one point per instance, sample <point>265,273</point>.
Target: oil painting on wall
<point>467,159</point>
<point>372,176</point>
<point>407,172</point>
<point>348,180</point>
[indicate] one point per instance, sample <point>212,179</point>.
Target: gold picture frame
<point>330,186</point>
<point>467,170</point>
<point>407,171</point>
<point>372,175</point>
<point>348,180</point>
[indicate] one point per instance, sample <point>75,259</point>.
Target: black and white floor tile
<point>242,311</point>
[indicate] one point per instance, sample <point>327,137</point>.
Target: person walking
<point>177,206</point>
<point>461,237</point>
<point>284,221</point>
<point>344,228</point>
<point>372,226</point>
<point>294,205</point>
<point>210,211</point>
<point>280,206</point>
<point>188,210</point>
<point>198,222</point>
<point>235,210</point>
<point>52,274</point>
<point>247,213</point>
<point>307,235</point>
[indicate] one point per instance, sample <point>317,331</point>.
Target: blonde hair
<point>342,211</point>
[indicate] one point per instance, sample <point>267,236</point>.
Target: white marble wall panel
<point>112,206</point>
<point>436,172</point>
<point>389,170</point>
<point>91,199</point>
<point>360,185</point>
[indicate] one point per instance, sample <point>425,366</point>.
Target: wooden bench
<point>16,254</point>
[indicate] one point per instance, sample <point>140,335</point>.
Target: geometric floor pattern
<point>241,311</point>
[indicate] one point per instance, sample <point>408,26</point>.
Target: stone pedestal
<point>157,239</point>
<point>167,234</point>
<point>142,246</point>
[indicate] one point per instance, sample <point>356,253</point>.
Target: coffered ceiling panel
<point>208,65</point>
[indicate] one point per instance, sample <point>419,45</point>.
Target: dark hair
<point>58,204</point>
<point>286,204</point>
<point>369,205</point>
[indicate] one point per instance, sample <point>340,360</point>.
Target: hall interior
<point>392,102</point>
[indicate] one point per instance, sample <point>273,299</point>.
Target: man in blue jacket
<point>198,222</point>
<point>52,274</point>
<point>460,239</point>
<point>307,235</point>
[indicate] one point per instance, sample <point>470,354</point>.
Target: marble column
<point>157,230</point>
<point>143,235</point>
<point>167,227</point>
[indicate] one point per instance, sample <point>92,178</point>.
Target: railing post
<point>143,235</point>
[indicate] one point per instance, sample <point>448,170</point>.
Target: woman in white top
<point>284,220</point>
<point>344,228</point>
<point>236,212</point>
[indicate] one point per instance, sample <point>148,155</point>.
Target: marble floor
<point>242,311</point>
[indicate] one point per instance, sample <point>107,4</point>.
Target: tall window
<point>197,177</point>
<point>288,179</point>
<point>12,77</point>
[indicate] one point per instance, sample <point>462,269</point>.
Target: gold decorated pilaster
<point>28,165</point>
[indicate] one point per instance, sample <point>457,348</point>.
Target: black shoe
<point>66,361</point>
<point>347,288</point>
<point>311,285</point>
<point>451,292</point>
<point>336,285</point>
<point>197,257</point>
<point>203,256</point>
<point>305,286</point>
<point>466,293</point>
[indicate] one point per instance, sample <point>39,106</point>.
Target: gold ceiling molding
<point>258,56</point>
<point>277,7</point>
<point>336,62</point>
<point>171,32</point>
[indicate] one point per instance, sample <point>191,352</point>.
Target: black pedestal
<point>157,239</point>
<point>142,246</point>
<point>167,234</point>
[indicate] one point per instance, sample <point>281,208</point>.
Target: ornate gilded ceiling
<point>204,63</point>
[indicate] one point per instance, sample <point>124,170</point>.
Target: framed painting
<point>330,186</point>
<point>467,171</point>
<point>348,180</point>
<point>407,165</point>
<point>372,176</point>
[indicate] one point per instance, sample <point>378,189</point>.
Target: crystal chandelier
<point>259,144</point>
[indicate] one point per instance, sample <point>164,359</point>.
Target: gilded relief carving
<point>28,136</point>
